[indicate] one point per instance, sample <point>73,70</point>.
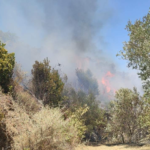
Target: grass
<point>49,131</point>
<point>45,129</point>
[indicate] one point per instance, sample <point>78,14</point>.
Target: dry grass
<point>50,132</point>
<point>116,147</point>
<point>26,101</point>
<point>45,129</point>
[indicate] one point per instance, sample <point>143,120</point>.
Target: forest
<point>45,111</point>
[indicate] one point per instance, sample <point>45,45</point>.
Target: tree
<point>137,49</point>
<point>86,81</point>
<point>137,52</point>
<point>126,111</point>
<point>7,62</point>
<point>47,84</point>
<point>94,118</point>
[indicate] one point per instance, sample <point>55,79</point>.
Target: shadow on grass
<point>94,144</point>
<point>130,145</point>
<point>127,146</point>
<point>136,146</point>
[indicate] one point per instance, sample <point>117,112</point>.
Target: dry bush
<point>27,102</point>
<point>44,130</point>
<point>25,99</point>
<point>50,132</point>
<point>15,121</point>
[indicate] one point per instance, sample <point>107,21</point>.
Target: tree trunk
<point>122,138</point>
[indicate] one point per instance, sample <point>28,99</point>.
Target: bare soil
<point>116,147</point>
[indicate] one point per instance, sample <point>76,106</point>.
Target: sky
<point>125,10</point>
<point>84,34</point>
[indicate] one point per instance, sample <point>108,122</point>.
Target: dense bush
<point>94,119</point>
<point>125,124</point>
<point>46,83</point>
<point>49,132</point>
<point>26,101</point>
<point>78,121</point>
<point>7,62</point>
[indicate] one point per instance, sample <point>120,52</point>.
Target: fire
<point>106,83</point>
<point>109,74</point>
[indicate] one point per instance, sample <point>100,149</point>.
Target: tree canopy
<point>7,62</point>
<point>87,82</point>
<point>137,49</point>
<point>47,84</point>
<point>125,113</point>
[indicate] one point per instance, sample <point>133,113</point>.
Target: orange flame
<point>109,74</point>
<point>105,82</point>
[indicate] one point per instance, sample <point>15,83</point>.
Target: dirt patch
<point>116,147</point>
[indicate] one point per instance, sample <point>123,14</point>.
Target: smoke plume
<point>69,32</point>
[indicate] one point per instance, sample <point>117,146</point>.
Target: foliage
<point>125,113</point>
<point>7,62</point>
<point>145,117</point>
<point>49,131</point>
<point>94,117</point>
<point>47,84</point>
<point>44,130</point>
<point>26,101</point>
<point>137,50</point>
<point>86,81</point>
<point>77,120</point>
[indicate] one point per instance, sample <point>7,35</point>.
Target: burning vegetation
<point>106,83</point>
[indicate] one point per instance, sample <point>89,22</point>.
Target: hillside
<point>31,126</point>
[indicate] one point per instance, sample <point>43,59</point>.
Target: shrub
<point>44,130</point>
<point>7,62</point>
<point>50,132</point>
<point>93,119</point>
<point>77,120</point>
<point>125,123</point>
<point>46,83</point>
<point>27,102</point>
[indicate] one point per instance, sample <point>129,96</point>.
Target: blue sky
<point>124,10</point>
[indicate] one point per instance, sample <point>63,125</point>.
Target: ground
<point>116,147</point>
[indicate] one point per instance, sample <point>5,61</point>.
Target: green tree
<point>87,82</point>
<point>94,118</point>
<point>145,116</point>
<point>46,83</point>
<point>137,52</point>
<point>137,49</point>
<point>7,62</point>
<point>126,111</point>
